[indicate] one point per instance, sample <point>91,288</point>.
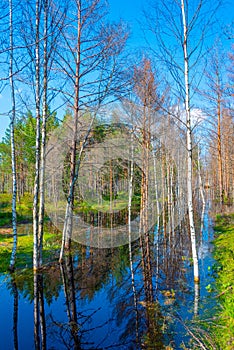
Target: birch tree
<point>43,134</point>
<point>189,140</point>
<point>12,137</point>
<point>40,37</point>
<point>38,141</point>
<point>180,29</point>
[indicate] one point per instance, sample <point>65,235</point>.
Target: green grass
<point>51,242</point>
<point>224,255</point>
<point>92,205</point>
<point>23,207</point>
<point>51,246</point>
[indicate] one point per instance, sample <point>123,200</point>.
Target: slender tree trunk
<point>13,158</point>
<point>189,145</point>
<point>219,146</point>
<point>201,190</point>
<point>38,135</point>
<point>69,213</point>
<point>200,179</point>
<point>43,138</point>
<point>67,229</point>
<point>156,239</point>
<point>156,191</point>
<point>130,194</point>
<point>146,252</point>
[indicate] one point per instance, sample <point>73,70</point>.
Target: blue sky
<point>131,12</point>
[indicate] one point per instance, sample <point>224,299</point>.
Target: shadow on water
<point>97,299</point>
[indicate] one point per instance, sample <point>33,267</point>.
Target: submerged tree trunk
<point>12,137</point>
<point>189,145</point>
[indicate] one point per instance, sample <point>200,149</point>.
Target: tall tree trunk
<point>189,145</point>
<point>219,147</point>
<point>12,127</point>
<point>130,194</point>
<point>67,229</point>
<point>43,137</point>
<point>38,135</point>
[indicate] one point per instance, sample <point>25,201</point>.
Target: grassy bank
<point>51,245</point>
<point>51,242</point>
<point>224,255</point>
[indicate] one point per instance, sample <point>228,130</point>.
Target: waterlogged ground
<point>95,301</point>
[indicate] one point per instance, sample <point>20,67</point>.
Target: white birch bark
<point>189,144</point>
<point>37,162</point>
<point>12,126</point>
<point>43,138</point>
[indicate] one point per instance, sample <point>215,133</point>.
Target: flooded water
<point>109,298</point>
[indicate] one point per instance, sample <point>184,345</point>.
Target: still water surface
<point>95,300</point>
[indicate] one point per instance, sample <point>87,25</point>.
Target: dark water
<point>95,301</point>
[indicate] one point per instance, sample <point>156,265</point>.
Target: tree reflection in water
<point>67,333</point>
<point>39,313</point>
<point>15,311</point>
<point>100,298</point>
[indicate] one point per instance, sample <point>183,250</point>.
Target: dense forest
<point>110,145</point>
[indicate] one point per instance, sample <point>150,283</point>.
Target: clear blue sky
<point>131,12</point>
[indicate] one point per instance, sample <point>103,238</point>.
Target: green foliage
<point>5,209</point>
<point>25,138</point>
<point>224,254</point>
<point>5,154</point>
